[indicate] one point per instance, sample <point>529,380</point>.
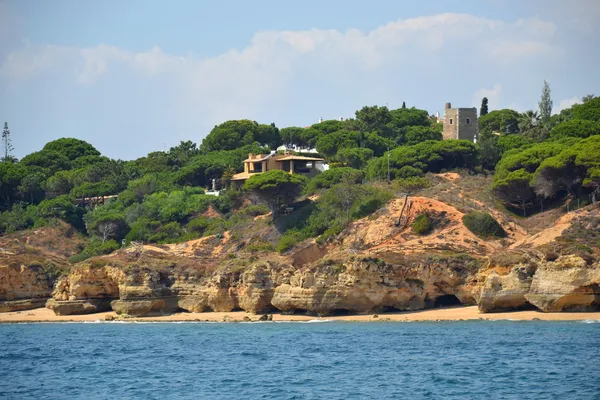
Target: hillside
<point>373,265</point>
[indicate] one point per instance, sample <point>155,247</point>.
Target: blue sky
<point>132,77</point>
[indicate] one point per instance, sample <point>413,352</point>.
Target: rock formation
<point>23,287</point>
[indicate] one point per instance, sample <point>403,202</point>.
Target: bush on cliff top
<point>423,224</point>
<point>483,225</point>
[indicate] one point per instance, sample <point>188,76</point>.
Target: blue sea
<point>328,360</point>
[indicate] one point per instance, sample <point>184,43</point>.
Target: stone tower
<point>460,123</point>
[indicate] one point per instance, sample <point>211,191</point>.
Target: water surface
<point>331,360</point>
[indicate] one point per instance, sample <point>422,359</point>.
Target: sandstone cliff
<point>377,264</point>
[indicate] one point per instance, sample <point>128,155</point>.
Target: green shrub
<point>288,241</point>
<point>334,176</point>
<point>483,225</point>
<point>255,210</point>
<point>423,224</point>
<point>95,247</point>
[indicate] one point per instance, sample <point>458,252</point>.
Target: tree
<point>587,98</point>
<point>484,107</point>
<point>590,110</point>
<point>107,230</point>
<point>528,120</point>
<point>545,104</point>
<point>504,122</point>
<point>329,144</point>
<point>489,151</point>
<point>231,135</point>
<point>403,105</point>
<point>71,148</point>
<point>412,135</point>
<point>374,119</point>
<point>515,188</point>
<point>31,187</point>
<point>276,188</point>
<point>8,148</point>
<point>575,128</point>
<point>292,135</point>
<point>354,157</point>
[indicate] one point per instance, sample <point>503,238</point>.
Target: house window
<point>257,167</point>
<point>450,121</point>
<point>468,121</point>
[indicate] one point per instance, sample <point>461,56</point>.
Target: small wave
<point>590,321</point>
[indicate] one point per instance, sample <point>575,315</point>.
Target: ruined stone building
<point>460,123</point>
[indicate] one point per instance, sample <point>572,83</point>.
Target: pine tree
<point>7,144</point>
<point>403,105</point>
<point>545,103</point>
<point>484,107</point>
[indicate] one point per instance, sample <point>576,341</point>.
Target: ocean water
<point>329,360</point>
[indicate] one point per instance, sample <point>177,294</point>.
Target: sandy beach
<point>445,314</point>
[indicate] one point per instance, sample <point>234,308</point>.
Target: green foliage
<point>19,217</point>
<point>289,240</point>
<point>411,184</point>
<point>570,169</point>
<point>412,135</point>
<point>423,224</point>
<point>510,142</point>
<point>203,168</point>
<point>61,207</point>
<point>404,117</point>
<point>504,121</point>
<point>336,207</point>
<point>429,156</point>
<point>483,225</point>
<point>333,176</point>
<point>276,188</point>
<point>515,188</point>
<point>231,135</point>
<point>71,148</point>
<point>354,157</point>
<point>576,128</point>
<point>47,161</point>
<point>590,110</point>
<point>330,144</point>
<point>95,247</point>
<point>484,107</point>
<point>545,104</point>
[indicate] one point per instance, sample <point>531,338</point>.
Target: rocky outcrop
<point>365,285</point>
<point>568,284</point>
<point>23,287</point>
<point>20,305</point>
<point>74,307</point>
<point>506,292</point>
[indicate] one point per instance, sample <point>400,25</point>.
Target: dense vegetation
<point>538,160</point>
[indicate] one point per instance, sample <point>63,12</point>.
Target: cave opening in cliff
<point>446,300</point>
<point>339,312</point>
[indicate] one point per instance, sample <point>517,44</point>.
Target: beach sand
<point>440,314</point>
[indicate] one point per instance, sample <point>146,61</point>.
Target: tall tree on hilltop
<point>484,107</point>
<point>545,103</point>
<point>7,143</point>
<point>587,98</point>
<point>403,104</point>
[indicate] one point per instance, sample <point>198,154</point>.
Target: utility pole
<point>388,174</point>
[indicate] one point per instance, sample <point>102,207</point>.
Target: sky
<point>135,76</point>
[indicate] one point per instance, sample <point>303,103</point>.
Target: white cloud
<point>279,72</point>
<point>566,103</point>
<point>493,95</point>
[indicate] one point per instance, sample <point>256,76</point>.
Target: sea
<point>319,360</point>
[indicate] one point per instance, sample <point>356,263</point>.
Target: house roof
<point>258,159</point>
<point>300,158</point>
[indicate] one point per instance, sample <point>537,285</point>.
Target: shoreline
<point>468,313</point>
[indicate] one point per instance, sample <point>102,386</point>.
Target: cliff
<point>376,264</point>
